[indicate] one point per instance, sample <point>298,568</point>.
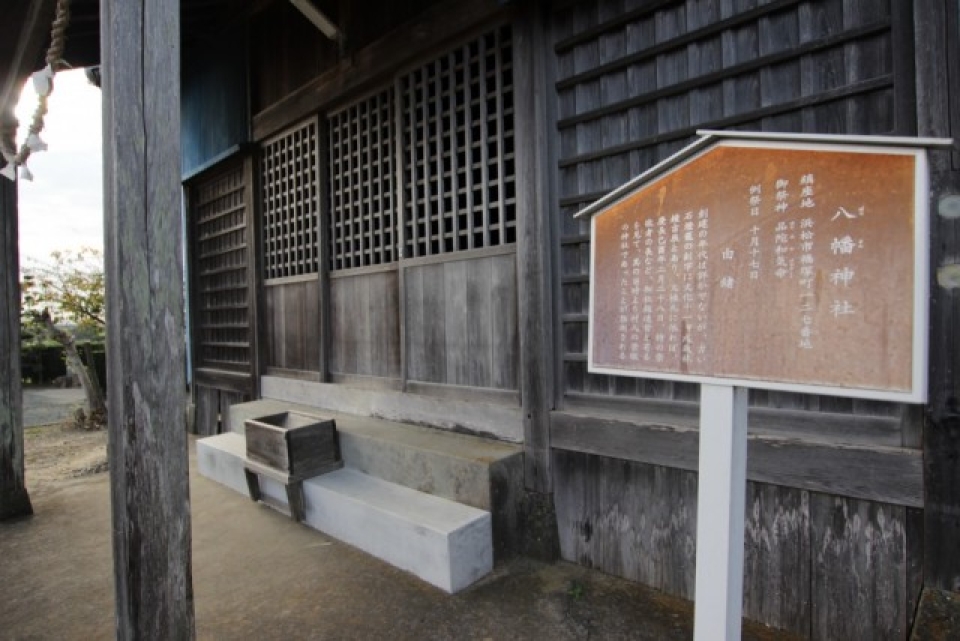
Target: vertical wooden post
<point>14,500</point>
<point>721,502</point>
<point>533,244</point>
<point>938,114</point>
<point>140,52</point>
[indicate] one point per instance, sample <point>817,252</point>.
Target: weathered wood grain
<point>208,410</point>
<point>820,566</point>
<point>148,444</point>
<point>364,324</point>
<point>291,324</point>
<point>534,182</point>
<point>633,520</point>
<point>776,587</point>
<point>462,322</point>
<point>858,569</point>
<point>14,499</point>
<point>936,41</point>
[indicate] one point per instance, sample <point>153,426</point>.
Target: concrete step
<point>479,472</point>
<point>443,542</point>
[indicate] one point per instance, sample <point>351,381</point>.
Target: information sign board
<point>769,264</point>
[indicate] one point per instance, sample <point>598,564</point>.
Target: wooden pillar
<point>140,53</point>
<point>534,196</point>
<point>938,114</point>
<point>14,500</point>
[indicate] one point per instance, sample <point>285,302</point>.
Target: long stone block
<point>442,542</point>
<point>445,543</point>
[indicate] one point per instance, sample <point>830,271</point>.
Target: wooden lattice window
<point>458,141</point>
<point>220,235</point>
<point>361,165</point>
<point>289,165</point>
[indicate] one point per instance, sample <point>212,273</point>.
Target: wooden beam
<point>885,474</point>
<point>936,32</point>
<point>14,500</point>
<point>533,244</point>
<point>140,45</point>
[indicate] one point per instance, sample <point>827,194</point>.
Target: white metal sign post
<point>782,262</point>
<point>721,496</point>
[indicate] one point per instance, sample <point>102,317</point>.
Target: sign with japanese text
<point>778,265</point>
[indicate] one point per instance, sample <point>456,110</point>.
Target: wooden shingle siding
<point>832,550</point>
<point>636,79</point>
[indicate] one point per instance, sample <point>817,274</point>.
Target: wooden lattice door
<point>222,285</point>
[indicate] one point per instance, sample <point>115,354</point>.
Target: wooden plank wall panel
<point>858,569</point>
<point>820,566</point>
<point>292,325</point>
<point>776,586</point>
<point>365,326</point>
<point>629,519</point>
<point>462,323</point>
<point>636,79</point>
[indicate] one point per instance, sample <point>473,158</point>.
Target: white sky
<point>63,207</point>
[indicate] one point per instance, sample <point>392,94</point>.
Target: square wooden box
<point>296,444</point>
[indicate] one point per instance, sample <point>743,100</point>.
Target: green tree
<point>64,300</point>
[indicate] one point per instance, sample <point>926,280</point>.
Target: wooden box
<point>297,444</point>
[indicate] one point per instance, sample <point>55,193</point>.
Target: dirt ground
<point>256,575</point>
<point>60,452</point>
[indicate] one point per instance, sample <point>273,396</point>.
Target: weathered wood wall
<point>291,320</point>
<point>633,82</point>
<point>365,324</point>
<point>399,205</point>
<point>822,566</point>
<point>938,106</point>
<point>214,107</point>
<point>462,322</point>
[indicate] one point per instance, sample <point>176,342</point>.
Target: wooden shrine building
<point>379,212</point>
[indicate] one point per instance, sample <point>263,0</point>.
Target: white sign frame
<point>801,142</point>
